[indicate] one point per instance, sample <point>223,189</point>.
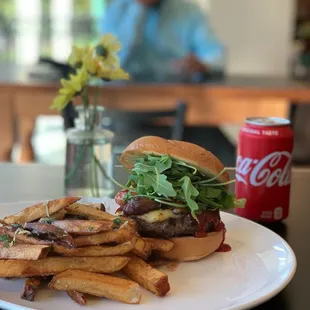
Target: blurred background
<point>264,71</point>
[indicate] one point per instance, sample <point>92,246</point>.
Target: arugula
<point>176,183</point>
<point>5,239</point>
<point>148,177</point>
<point>117,222</point>
<point>15,225</point>
<point>190,193</point>
<point>47,220</point>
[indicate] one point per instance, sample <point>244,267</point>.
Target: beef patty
<point>185,225</point>
<point>139,206</point>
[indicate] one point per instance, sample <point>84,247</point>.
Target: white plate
<point>259,266</point>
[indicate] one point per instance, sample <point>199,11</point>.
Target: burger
<point>175,191</point>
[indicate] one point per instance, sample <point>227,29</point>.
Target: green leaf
<point>182,163</point>
<point>210,202</point>
<point>228,201</point>
<point>160,185</point>
<point>14,225</point>
<point>213,192</point>
<point>126,197</point>
<point>151,163</point>
<point>240,203</point>
<point>4,238</point>
<point>141,168</point>
<point>140,185</point>
<point>171,204</point>
<point>190,193</point>
<point>47,220</point>
<point>174,182</point>
<point>117,222</point>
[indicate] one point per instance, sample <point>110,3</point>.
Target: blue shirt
<point>153,39</point>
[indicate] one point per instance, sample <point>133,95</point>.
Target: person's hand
<point>191,64</point>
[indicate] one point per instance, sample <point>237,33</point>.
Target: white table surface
<point>37,181</point>
<point>30,182</point>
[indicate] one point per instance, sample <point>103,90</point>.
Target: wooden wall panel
<point>6,126</point>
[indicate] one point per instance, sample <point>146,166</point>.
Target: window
<point>33,28</point>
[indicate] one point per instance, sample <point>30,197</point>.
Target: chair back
<point>130,125</point>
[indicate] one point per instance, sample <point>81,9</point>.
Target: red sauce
<point>212,217</point>
<point>119,198</point>
<point>208,217</point>
<point>224,247</point>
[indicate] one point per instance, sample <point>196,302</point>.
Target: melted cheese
<point>158,216</point>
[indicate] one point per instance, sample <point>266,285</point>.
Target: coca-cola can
<point>263,172</point>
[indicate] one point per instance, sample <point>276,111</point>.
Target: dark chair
<point>129,125</point>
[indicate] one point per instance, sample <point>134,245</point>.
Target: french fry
<point>22,238</point>
<point>59,215</point>
<point>147,276</point>
<point>30,287</point>
<point>96,250</point>
<point>121,235</point>
<point>51,232</point>
<point>142,249</point>
<point>39,210</point>
<point>99,206</point>
<point>90,212</point>
<point>83,227</point>
<point>160,245</point>
<point>99,285</point>
<point>24,251</point>
<point>78,297</point>
<point>54,265</point>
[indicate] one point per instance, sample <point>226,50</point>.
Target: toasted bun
<point>190,153</point>
<point>191,248</point>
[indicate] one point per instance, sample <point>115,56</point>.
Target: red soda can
<point>263,172</point>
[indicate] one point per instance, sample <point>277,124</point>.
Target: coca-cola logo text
<point>266,171</point>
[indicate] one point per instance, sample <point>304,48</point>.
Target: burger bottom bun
<point>191,248</point>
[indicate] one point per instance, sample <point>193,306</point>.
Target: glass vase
<point>89,156</point>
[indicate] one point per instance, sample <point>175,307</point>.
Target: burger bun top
<point>192,154</point>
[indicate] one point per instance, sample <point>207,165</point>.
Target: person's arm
<point>108,23</point>
<point>205,46</point>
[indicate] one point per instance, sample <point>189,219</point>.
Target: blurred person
<point>164,39</point>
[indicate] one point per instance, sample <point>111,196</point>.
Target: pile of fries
<point>76,247</point>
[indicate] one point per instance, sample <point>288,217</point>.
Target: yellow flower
<point>89,61</point>
<point>61,101</point>
<point>107,48</point>
<point>76,82</point>
<point>76,56</point>
<point>108,73</point>
<point>71,88</point>
<point>119,74</point>
<point>93,62</point>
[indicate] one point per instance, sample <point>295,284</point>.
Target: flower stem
<point>107,176</point>
<point>90,170</point>
<point>95,107</point>
<point>94,166</point>
<point>85,101</point>
<point>78,160</point>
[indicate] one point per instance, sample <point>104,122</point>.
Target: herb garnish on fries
<point>75,246</point>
